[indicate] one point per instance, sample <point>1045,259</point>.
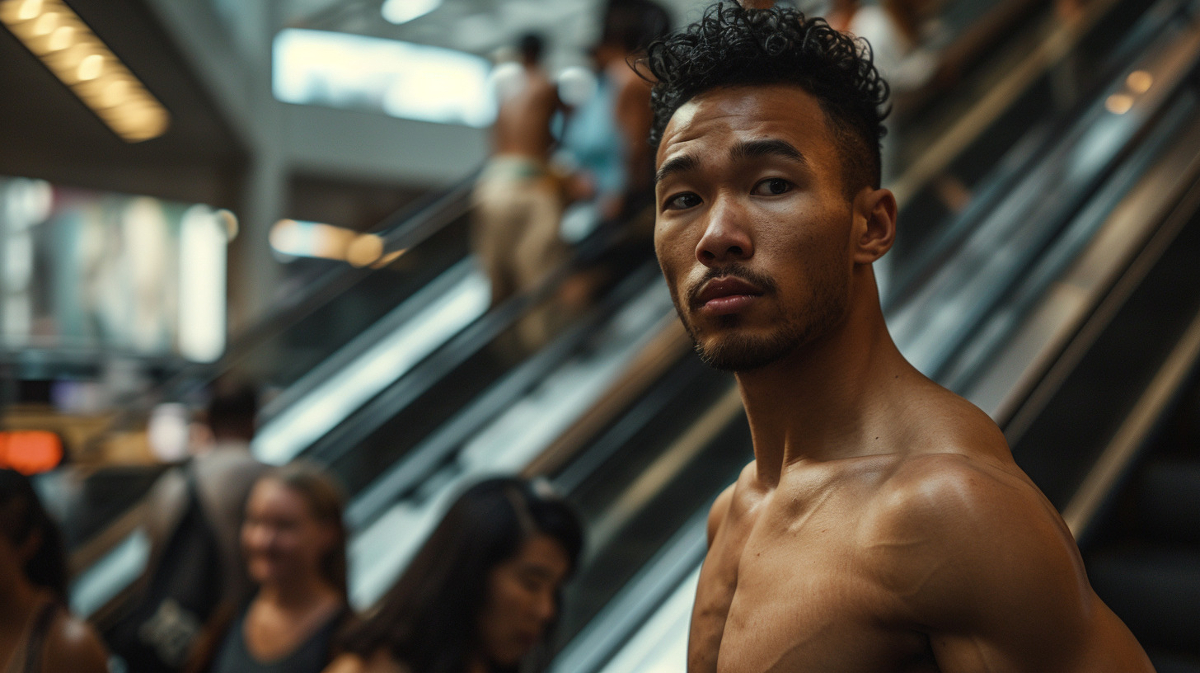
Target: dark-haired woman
<point>481,596</point>
<point>36,632</point>
<point>294,541</point>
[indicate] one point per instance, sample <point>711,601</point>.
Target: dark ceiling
<point>46,132</point>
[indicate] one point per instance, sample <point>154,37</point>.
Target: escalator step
<point>1169,501</point>
<point>1155,591</point>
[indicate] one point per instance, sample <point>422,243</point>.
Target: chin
<point>262,572</point>
<point>739,353</point>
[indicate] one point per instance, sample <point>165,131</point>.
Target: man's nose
<point>726,237</point>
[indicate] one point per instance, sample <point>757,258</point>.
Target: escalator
<point>1090,235</point>
<point>640,435</point>
<point>483,438</point>
<point>339,312</point>
<point>384,374</point>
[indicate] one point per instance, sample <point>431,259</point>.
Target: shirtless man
<point>517,203</point>
<point>883,525</point>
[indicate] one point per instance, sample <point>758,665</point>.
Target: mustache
<point>763,282</point>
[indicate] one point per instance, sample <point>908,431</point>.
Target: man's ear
<point>874,224</point>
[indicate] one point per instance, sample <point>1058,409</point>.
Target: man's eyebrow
<point>679,164</point>
<point>755,149</point>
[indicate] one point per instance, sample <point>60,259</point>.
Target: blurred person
<point>194,515</point>
<point>481,596</point>
<point>606,137</point>
<point>893,29</point>
<point>37,633</point>
<point>517,203</point>
<point>294,542</point>
<point>605,140</point>
<point>883,525</point>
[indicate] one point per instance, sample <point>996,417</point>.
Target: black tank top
<point>310,656</point>
<point>28,657</point>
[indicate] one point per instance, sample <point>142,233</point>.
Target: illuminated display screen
<point>89,271</point>
<point>401,79</point>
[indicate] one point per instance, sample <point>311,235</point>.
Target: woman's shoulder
<point>72,645</point>
<point>379,662</point>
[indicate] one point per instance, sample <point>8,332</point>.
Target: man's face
<point>753,227</point>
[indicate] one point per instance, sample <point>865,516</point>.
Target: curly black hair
<point>733,46</point>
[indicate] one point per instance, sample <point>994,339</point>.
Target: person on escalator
<point>883,524</point>
<point>482,595</point>
<point>605,141</point>
<point>294,542</point>
<point>193,517</point>
<point>517,202</point>
<point>37,632</point>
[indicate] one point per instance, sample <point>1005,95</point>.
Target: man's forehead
<point>778,110</point>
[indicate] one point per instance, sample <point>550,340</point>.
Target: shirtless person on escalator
<point>883,525</point>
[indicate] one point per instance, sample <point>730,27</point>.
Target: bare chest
<point>791,592</point>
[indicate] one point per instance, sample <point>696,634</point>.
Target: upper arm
<point>345,663</point>
<point>74,646</point>
<point>716,515</point>
<point>991,574</point>
<point>379,662</point>
<point>633,111</point>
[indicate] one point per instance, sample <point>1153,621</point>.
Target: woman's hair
<point>326,504</point>
<point>22,517</point>
<point>732,46</point>
<point>429,619</point>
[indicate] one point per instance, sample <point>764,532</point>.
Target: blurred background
<point>300,197</point>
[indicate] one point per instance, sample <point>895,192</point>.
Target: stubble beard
<point>738,352</point>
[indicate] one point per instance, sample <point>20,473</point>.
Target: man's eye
<point>683,201</point>
<point>772,187</point>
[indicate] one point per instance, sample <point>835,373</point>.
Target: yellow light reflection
<point>29,9</point>
<point>295,238</point>
<point>91,67</point>
<point>1139,81</point>
<point>1119,103</point>
<point>364,250</point>
<point>56,35</point>
<point>45,24</point>
<point>388,258</point>
<point>61,38</point>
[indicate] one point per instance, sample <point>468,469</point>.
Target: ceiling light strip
<point>57,36</point>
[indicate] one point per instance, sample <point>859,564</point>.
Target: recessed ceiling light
<point>62,41</point>
<point>403,11</point>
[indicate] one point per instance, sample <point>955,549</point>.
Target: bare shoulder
<point>379,662</point>
<point>940,422</point>
<point>739,495</point>
<point>72,645</point>
<point>716,515</point>
<point>975,555</point>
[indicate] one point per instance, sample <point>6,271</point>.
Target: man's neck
<point>827,399</point>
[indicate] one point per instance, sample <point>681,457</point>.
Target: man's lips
<point>726,294</point>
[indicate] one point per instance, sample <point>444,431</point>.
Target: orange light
<point>1139,81</point>
<point>30,451</point>
<point>1119,103</point>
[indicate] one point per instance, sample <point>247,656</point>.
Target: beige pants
<point>515,236</point>
<point>514,232</point>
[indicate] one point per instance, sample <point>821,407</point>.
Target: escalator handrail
<point>1056,216</point>
<point>392,485</point>
<point>346,434</point>
<point>1042,138</point>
